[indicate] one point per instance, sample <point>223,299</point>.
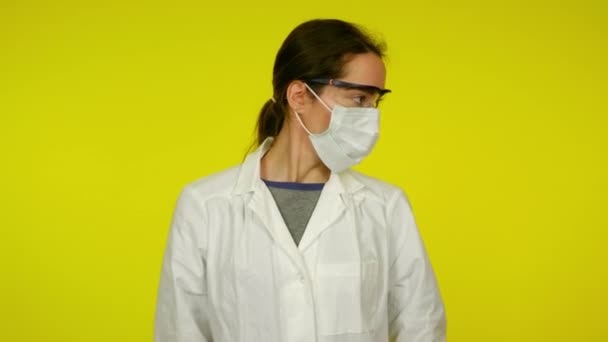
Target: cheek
<point>319,120</point>
<point>325,119</point>
<point>322,122</point>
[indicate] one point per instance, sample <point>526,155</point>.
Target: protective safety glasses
<point>375,92</point>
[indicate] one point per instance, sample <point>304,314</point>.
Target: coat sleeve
<point>415,307</point>
<point>182,308</point>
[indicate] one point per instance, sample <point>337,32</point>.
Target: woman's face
<point>364,69</point>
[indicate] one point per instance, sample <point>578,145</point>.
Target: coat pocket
<point>345,298</point>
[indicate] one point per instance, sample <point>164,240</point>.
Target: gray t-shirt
<point>296,202</point>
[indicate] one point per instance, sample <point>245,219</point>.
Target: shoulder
<point>388,195</point>
<point>218,184</point>
<point>389,199</point>
<point>379,189</point>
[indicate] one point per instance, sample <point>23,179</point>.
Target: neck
<point>292,158</point>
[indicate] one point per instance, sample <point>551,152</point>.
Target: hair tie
<point>273,100</point>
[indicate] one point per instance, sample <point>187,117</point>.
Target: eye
<point>359,99</point>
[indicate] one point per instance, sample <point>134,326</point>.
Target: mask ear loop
<point>301,123</point>
<point>318,98</point>
<point>322,102</point>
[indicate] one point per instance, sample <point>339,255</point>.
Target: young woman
<point>292,245</point>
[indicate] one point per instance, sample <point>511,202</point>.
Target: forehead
<point>365,68</point>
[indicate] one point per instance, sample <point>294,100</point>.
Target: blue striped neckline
<point>295,185</point>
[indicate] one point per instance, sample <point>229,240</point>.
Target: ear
<point>297,96</point>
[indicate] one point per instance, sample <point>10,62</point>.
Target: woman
<point>293,245</point>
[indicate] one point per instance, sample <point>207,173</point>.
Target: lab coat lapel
<point>329,208</point>
<point>262,203</point>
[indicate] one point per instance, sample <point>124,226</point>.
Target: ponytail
<point>270,120</point>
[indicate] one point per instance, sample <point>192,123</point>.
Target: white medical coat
<point>231,271</point>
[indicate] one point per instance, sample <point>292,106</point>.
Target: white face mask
<point>351,135</point>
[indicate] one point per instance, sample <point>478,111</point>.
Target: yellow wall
<point>496,129</point>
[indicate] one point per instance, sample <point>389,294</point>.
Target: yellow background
<point>496,129</point>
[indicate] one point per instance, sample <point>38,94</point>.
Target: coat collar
<point>335,198</point>
<point>249,179</point>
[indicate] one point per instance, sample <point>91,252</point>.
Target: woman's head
<point>317,51</point>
